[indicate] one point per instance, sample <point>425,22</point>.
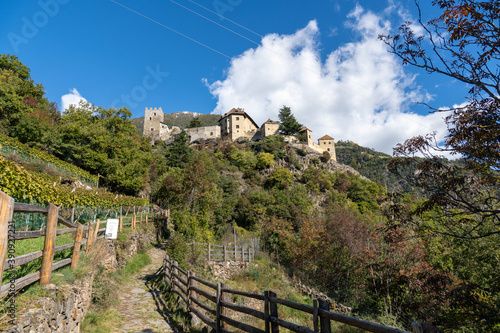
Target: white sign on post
<point>111,228</point>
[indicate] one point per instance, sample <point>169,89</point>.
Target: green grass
<point>136,263</point>
<point>31,245</point>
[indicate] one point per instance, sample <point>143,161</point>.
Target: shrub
<point>265,160</point>
<point>280,178</point>
<point>325,157</point>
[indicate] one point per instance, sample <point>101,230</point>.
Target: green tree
<point>24,111</point>
<point>195,122</point>
<point>179,154</point>
<point>288,123</point>
<point>104,141</point>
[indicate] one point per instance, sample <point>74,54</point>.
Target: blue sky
<point>321,58</point>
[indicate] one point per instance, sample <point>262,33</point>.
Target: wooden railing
<point>213,252</point>
<point>195,293</point>
<point>8,236</point>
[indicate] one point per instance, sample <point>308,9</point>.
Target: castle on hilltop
<point>234,125</point>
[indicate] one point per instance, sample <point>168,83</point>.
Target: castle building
<point>233,125</point>
<point>237,124</point>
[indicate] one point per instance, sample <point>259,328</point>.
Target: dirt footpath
<point>139,308</point>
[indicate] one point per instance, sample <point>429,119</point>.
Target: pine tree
<point>195,122</point>
<point>179,154</point>
<point>288,124</point>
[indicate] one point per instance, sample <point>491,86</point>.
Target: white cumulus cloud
<point>359,93</point>
<point>73,97</point>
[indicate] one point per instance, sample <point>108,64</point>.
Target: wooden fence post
<point>209,252</point>
<point>121,224</point>
<point>324,322</point>
<point>76,247</point>
<point>146,220</point>
<point>167,267</point>
<point>225,298</point>
<point>221,311</point>
<point>273,312</point>
<point>242,254</point>
<point>173,273</point>
<point>315,316</point>
<point>267,322</point>
<point>96,231</point>
<point>90,232</point>
<point>48,247</point>
<point>6,214</point>
<point>192,284</point>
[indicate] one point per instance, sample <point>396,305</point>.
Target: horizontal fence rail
<point>83,235</point>
<point>195,293</point>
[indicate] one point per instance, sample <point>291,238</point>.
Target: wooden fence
<point>213,252</point>
<point>8,236</point>
<point>195,292</point>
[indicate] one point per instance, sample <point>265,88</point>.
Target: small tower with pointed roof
<point>270,127</point>
<point>326,143</point>
<point>308,134</point>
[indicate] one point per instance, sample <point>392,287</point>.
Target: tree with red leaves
<point>464,44</point>
<point>461,209</point>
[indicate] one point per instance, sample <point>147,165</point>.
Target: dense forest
<point>416,240</point>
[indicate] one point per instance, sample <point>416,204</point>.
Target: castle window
<point>152,129</point>
<point>211,133</point>
<point>237,126</point>
<point>329,143</point>
<point>150,118</point>
<point>328,149</point>
<point>155,113</point>
<point>237,118</point>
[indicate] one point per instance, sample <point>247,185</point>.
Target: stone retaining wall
<point>63,308</point>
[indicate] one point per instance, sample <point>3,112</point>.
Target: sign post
<point>112,228</point>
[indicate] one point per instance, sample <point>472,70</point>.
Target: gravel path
<point>140,308</point>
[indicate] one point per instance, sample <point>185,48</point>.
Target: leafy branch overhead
<point>463,44</point>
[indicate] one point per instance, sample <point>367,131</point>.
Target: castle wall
<point>208,132</point>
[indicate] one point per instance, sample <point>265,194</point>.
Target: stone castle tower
<point>153,124</point>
